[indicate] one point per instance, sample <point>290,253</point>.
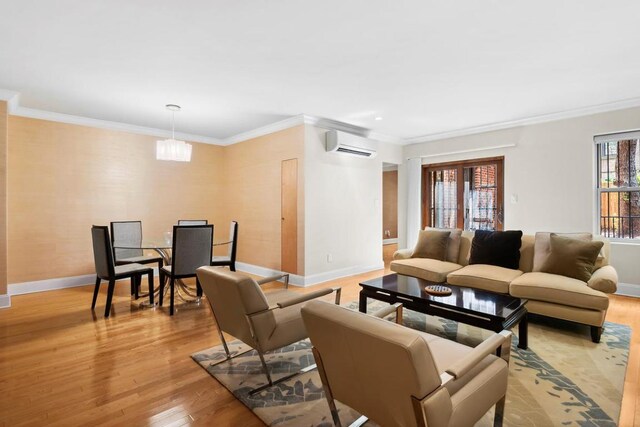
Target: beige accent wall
<point>252,182</point>
<point>63,178</point>
<point>4,123</point>
<point>390,204</point>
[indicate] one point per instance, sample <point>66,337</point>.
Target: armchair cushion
<point>425,268</point>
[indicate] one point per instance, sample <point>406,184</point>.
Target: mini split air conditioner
<point>353,145</point>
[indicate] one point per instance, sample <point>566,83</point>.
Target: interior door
<point>289,214</point>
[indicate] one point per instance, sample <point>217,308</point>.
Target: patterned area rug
<point>563,379</point>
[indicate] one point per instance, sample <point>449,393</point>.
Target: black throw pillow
<point>500,248</point>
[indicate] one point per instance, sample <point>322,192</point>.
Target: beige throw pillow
<point>432,244</point>
<point>572,257</point>
<point>542,247</point>
<point>453,247</point>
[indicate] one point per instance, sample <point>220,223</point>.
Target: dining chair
<point>230,258</point>
<point>107,270</point>
<point>193,222</point>
<point>192,246</point>
<point>398,376</point>
<point>129,233</point>
<point>265,321</point>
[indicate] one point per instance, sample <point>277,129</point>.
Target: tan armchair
<point>264,321</point>
<point>398,376</point>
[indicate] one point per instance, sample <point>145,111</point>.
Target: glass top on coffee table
<point>487,310</point>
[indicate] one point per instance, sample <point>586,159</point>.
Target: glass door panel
<point>444,198</point>
<point>480,197</point>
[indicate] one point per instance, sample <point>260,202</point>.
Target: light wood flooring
<point>61,364</point>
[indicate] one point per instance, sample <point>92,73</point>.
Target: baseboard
<point>628,289</point>
<point>313,279</point>
<point>5,300</point>
<point>390,241</point>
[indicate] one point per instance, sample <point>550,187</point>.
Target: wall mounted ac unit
<point>353,145</point>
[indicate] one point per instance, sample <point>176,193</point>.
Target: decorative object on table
<point>438,290</point>
<point>126,238</point>
<point>193,222</point>
<point>191,249</point>
<point>561,380</point>
<point>107,270</point>
<point>263,321</point>
<point>230,259</point>
<point>173,149</point>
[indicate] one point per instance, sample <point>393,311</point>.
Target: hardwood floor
<point>62,365</point>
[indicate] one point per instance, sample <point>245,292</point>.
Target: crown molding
<point>566,114</point>
<point>105,124</point>
<point>264,130</point>
<point>353,129</point>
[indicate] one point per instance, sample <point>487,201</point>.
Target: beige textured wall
<point>390,204</point>
<point>252,185</point>
<point>63,178</point>
<point>3,196</point>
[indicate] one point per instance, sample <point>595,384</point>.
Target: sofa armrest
<point>485,348</point>
<point>604,279</point>
<point>403,254</point>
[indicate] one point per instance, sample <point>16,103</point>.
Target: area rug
<point>563,379</point>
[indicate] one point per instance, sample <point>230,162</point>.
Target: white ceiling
<point>425,66</point>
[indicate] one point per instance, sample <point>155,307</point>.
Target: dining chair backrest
<point>193,222</point>
<point>233,238</point>
<point>126,233</point>
<point>192,247</point>
<point>102,254</point>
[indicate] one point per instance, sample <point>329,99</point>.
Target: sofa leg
<point>596,333</point>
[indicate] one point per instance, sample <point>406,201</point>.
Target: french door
<point>467,195</point>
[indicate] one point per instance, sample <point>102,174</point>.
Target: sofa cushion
<point>542,246</point>
<point>559,290</point>
<point>572,257</point>
<point>453,248</point>
<point>432,244</point>
<point>499,248</point>
<point>486,277</point>
<point>424,268</point>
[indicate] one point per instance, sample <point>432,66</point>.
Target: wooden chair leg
<point>198,288</point>
<point>112,285</point>
<point>232,266</point>
<point>151,287</point>
<point>138,281</point>
<point>162,279</point>
<point>171,291</point>
<point>96,290</point>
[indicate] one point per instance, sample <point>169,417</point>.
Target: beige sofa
<point>548,294</point>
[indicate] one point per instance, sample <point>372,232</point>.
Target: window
<point>465,195</point>
<point>618,162</point>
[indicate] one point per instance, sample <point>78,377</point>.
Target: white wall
<point>551,170</point>
<point>343,207</point>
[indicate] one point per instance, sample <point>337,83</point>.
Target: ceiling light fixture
<point>173,149</point>
<point>378,118</point>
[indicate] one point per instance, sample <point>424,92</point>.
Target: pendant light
<point>173,149</point>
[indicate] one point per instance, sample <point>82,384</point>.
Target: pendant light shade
<point>173,149</point>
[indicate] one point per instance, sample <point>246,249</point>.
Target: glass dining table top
<point>154,244</point>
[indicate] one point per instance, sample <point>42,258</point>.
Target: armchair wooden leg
<point>151,286</point>
<point>172,286</point>
<point>96,290</point>
<point>112,285</point>
<point>497,419</point>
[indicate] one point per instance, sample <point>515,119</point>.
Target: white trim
<point>8,95</point>
<point>628,289</point>
<point>50,284</point>
<point>264,130</point>
<point>471,150</point>
<point>5,301</point>
<point>389,241</point>
<point>105,124</point>
<point>560,115</point>
<point>311,280</point>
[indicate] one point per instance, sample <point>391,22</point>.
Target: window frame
<point>599,140</point>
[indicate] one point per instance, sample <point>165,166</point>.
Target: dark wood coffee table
<point>486,310</point>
